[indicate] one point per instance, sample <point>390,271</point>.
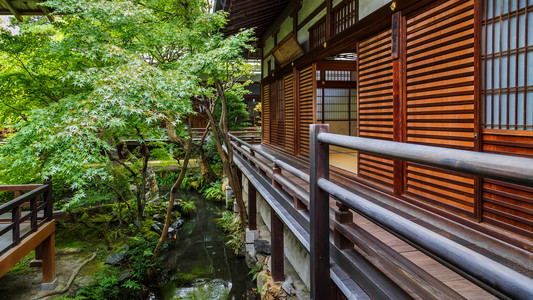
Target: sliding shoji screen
<point>508,64</point>
<point>507,98</point>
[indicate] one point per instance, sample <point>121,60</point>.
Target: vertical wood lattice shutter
<point>306,107</point>
<point>440,99</point>
<point>289,113</point>
<point>277,113</point>
<point>375,104</point>
<point>265,114</point>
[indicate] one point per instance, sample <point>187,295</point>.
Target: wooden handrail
<point>35,191</point>
<point>486,272</point>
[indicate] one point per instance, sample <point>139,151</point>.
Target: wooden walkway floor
<point>378,245</point>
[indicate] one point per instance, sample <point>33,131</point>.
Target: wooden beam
<point>13,10</point>
<point>13,256</point>
<point>289,9</point>
<point>47,12</point>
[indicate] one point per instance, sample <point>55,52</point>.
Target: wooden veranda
<point>370,257</point>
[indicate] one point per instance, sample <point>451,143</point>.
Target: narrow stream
<point>202,267</point>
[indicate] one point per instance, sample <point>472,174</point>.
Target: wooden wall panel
<point>440,99</point>
<point>506,205</point>
<point>375,104</point>
<point>307,107</point>
<point>289,113</point>
<point>277,113</point>
<point>265,114</point>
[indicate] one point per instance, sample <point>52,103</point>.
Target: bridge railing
<point>491,274</point>
<point>38,198</point>
<point>505,168</point>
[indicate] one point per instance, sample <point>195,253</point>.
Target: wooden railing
<point>38,198</point>
<point>249,135</point>
<point>489,274</point>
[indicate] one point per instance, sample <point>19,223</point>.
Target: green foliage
<point>160,154</point>
<point>106,70</point>
<point>237,110</point>
<point>255,270</point>
<point>212,154</point>
<point>193,180</point>
<point>214,191</point>
<point>104,285</point>
<point>233,227</point>
<point>22,266</point>
<point>187,208</point>
<point>168,179</point>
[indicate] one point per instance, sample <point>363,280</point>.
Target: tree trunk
<point>207,172</point>
<point>227,158</point>
<point>177,183</point>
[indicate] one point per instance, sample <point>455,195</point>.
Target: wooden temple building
<point>454,74</point>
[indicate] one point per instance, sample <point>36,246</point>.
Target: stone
<point>177,224</point>
<point>262,278</point>
<point>251,235</point>
<point>36,263</point>
<point>287,287</point>
<point>260,258</point>
<point>124,275</point>
<point>262,246</point>
<point>229,192</point>
<point>170,231</point>
<point>156,228</point>
<point>272,291</point>
<point>250,249</point>
<point>49,286</point>
<point>114,258</point>
<point>159,217</point>
<point>153,189</point>
<point>250,260</point>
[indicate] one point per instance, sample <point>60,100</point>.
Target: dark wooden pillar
<point>319,215</point>
<point>397,96</point>
<point>277,247</point>
<point>252,206</point>
<point>49,259</point>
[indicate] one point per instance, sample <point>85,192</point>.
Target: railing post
<point>343,216</point>
<point>48,208</point>
<point>15,217</point>
<point>298,204</point>
<point>275,171</point>
<point>319,214</point>
<point>277,256</point>
<point>33,212</point>
<point>277,236</point>
<point>252,207</point>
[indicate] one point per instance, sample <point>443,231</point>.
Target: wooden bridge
<point>26,223</point>
<point>364,244</point>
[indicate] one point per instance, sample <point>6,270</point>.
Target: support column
<point>49,264</point>
<point>277,256</point>
<point>319,215</point>
<point>252,207</point>
<point>397,96</point>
